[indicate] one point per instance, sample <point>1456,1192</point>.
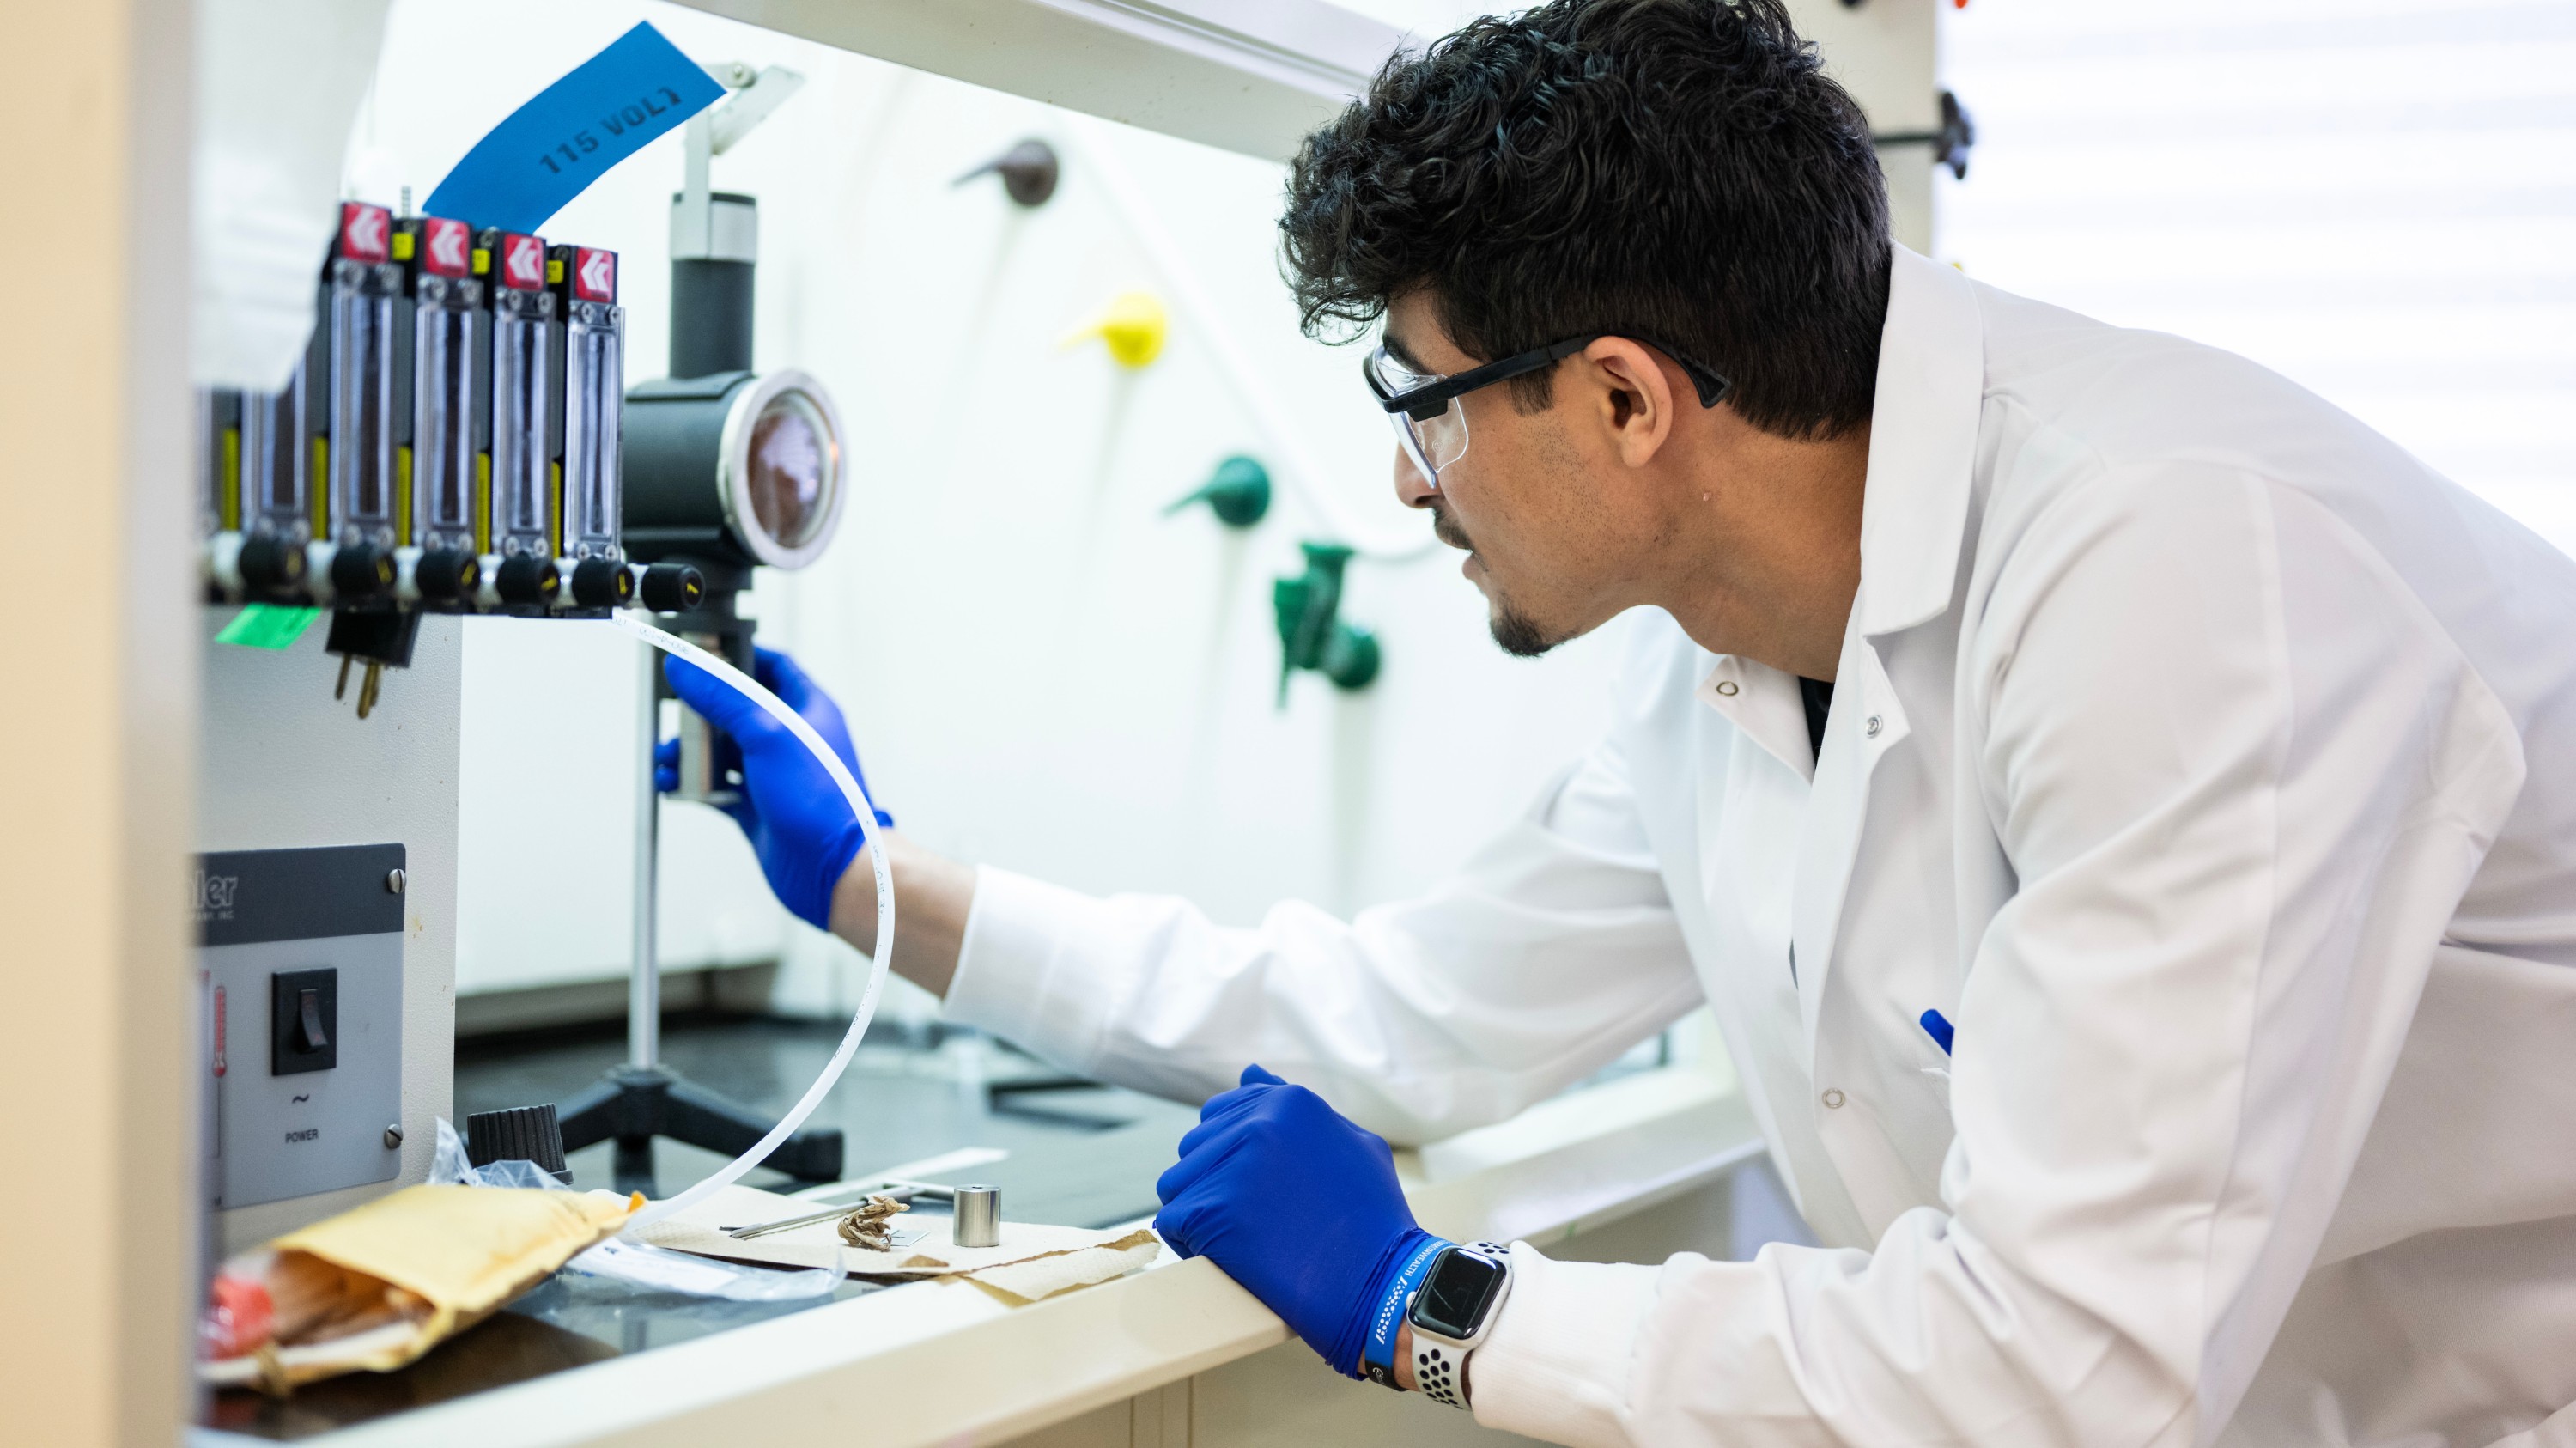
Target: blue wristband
<point>1377,1355</point>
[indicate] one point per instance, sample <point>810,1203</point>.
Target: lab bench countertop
<point>943,1362</point>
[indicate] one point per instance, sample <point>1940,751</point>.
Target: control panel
<point>300,954</point>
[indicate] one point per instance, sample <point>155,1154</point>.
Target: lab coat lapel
<point>1922,453</point>
<point>1867,721</point>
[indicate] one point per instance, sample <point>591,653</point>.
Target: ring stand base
<point>635,1104</point>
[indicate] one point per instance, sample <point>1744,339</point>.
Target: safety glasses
<point>1432,427</point>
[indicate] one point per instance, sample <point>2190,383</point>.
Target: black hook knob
<point>1028,170</point>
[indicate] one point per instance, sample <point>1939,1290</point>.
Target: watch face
<point>1462,1286</point>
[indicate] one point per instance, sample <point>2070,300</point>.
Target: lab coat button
<point>1726,687</point>
<point>1834,1099</point>
<point>1870,726</point>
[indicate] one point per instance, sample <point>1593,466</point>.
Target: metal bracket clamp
<point>697,227</point>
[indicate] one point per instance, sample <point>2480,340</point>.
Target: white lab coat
<point>2208,760</point>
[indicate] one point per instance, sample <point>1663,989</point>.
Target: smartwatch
<point>1461,1295</point>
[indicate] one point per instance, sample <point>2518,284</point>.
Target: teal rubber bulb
<point>1238,492</point>
<point>1311,635</point>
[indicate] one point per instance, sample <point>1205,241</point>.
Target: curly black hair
<point>1682,170</point>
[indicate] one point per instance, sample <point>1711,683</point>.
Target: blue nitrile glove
<point>1299,1206</point>
<point>799,825</point>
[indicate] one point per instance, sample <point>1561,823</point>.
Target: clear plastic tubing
<point>744,685</point>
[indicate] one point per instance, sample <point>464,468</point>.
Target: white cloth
<point>2207,760</point>
<point>278,84</point>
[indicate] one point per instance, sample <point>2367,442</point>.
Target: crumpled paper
<point>1031,1279</point>
<point>1033,1261</point>
<point>870,1224</point>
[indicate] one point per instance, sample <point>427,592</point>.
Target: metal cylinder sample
<point>977,1219</point>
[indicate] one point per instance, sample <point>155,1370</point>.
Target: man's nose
<point>1412,489</point>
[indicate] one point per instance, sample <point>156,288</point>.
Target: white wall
<point>2375,197</point>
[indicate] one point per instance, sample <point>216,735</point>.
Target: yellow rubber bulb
<point>1133,326</point>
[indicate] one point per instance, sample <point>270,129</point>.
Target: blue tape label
<point>550,150</point>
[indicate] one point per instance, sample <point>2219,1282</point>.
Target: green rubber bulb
<point>1310,636</point>
<point>1351,658</point>
<point>1238,493</point>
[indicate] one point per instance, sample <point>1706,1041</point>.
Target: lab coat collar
<point>1766,705</point>
<point>1914,507</point>
<point>1922,445</point>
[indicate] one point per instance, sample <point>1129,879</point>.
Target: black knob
<point>447,575</point>
<point>528,579</point>
<point>598,583</point>
<point>1028,171</point>
<point>673,588</point>
<point>522,1133</point>
<point>270,566</point>
<point>361,570</point>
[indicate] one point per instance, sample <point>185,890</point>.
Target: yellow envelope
<point>466,1251</point>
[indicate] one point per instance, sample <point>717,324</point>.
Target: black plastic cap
<point>270,568</point>
<point>522,1133</point>
<point>361,570</point>
<point>673,588</point>
<point>598,583</point>
<point>526,579</point>
<point>447,575</point>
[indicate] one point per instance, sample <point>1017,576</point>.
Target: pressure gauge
<point>740,468</point>
<point>780,471</point>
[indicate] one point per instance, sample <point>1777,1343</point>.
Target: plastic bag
<point>448,1166</point>
<point>657,1268</point>
<point>664,1270</point>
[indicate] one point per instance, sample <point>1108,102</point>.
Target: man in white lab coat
<point>2199,758</point>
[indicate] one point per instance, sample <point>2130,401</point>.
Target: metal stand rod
<point>644,974</point>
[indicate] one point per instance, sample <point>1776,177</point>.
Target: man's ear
<point>1624,388</point>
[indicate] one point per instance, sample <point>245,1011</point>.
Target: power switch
<point>310,1034</point>
<point>303,1021</point>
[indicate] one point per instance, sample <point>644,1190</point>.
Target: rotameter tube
<point>591,408</point>
<point>218,460</point>
<point>521,451</point>
<point>276,480</point>
<point>448,357</point>
<point>365,337</point>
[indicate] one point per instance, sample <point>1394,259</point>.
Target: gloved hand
<point>798,823</point>
<point>1299,1206</point>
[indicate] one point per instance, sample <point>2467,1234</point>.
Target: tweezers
<point>899,1190</point>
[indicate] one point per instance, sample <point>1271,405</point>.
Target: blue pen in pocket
<point>1937,1026</point>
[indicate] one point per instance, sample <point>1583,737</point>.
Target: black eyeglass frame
<point>1433,398</point>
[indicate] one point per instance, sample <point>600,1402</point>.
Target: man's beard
<point>1518,633</point>
<point>1515,632</point>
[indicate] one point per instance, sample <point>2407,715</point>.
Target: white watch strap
<point>1440,1372</point>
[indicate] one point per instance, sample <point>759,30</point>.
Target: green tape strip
<point>267,626</point>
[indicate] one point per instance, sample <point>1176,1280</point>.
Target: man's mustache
<point>1447,530</point>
